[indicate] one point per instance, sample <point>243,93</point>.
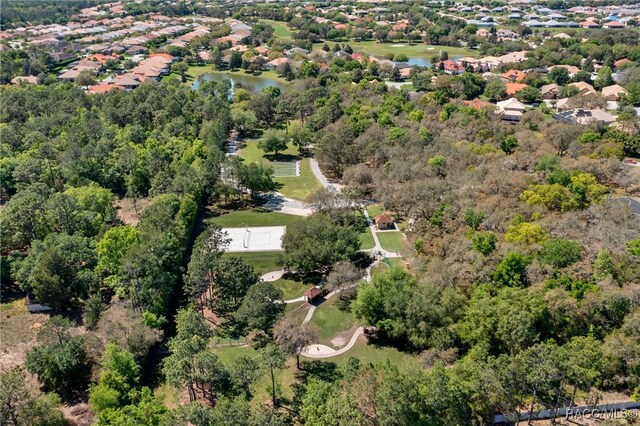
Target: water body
<point>426,62</point>
<point>246,81</point>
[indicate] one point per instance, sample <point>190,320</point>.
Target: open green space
<point>296,187</point>
<point>374,354</point>
<point>262,261</point>
<point>417,50</point>
<point>280,28</point>
<point>252,154</point>
<point>299,187</point>
<point>292,307</point>
<point>374,210</point>
<point>366,239</point>
<point>291,288</point>
<point>329,320</point>
<point>254,217</point>
<point>391,241</point>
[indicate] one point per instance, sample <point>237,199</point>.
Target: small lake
<point>247,81</point>
<point>426,62</point>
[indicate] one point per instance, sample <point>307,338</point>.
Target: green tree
<point>86,78</point>
<point>59,360</point>
<point>272,141</point>
<point>495,90</point>
<point>19,406</point>
<point>261,307</point>
<point>233,279</point>
<point>603,78</point>
<point>119,375</point>
<point>560,253</point>
<point>484,242</point>
<point>113,246</point>
<point>272,359</point>
<point>59,270</point>
<point>511,271</point>
<point>181,68</point>
<point>509,144</point>
<point>316,243</point>
<point>529,94</point>
<point>191,364</point>
<point>559,75</point>
<point>633,247</point>
<point>473,219</point>
<point>235,60</point>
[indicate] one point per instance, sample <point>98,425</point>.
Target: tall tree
<point>291,337</point>
<point>261,307</point>
<point>59,360</point>
<point>314,244</point>
<point>273,360</point>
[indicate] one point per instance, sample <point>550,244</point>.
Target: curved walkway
<point>272,276</point>
<point>322,351</point>
<point>318,351</point>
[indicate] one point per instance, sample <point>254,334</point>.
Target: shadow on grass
<point>324,370</point>
<point>284,158</point>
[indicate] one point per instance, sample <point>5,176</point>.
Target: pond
<point>426,62</point>
<point>247,81</point>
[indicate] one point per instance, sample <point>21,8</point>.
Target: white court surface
<point>255,238</point>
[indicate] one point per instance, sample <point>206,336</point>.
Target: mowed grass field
<point>296,187</point>
<point>329,320</point>
<point>281,29</point>
<point>391,241</point>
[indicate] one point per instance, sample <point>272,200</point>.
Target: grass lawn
<point>374,210</point>
<point>262,261</point>
<point>391,241</point>
<point>291,307</point>
<point>252,154</point>
<point>281,28</point>
<point>417,50</point>
<point>299,187</point>
<point>254,217</point>
<point>292,289</point>
<point>369,353</point>
<point>366,240</point>
<point>284,377</point>
<point>296,187</point>
<point>329,320</point>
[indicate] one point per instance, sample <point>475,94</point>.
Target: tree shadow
<point>324,370</point>
<point>284,158</point>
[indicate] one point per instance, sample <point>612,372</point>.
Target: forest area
<point>513,278</point>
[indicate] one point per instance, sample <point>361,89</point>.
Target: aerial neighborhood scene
<point>349,212</point>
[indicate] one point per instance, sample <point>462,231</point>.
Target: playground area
<point>255,238</point>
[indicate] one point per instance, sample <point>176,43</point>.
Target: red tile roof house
<point>613,24</point>
<point>384,221</point>
<point>513,88</point>
<point>450,67</point>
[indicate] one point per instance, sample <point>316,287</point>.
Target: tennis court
<point>255,238</point>
<point>285,168</point>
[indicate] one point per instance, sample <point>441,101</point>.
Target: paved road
<point>633,203</point>
<point>279,203</point>
<point>315,168</point>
